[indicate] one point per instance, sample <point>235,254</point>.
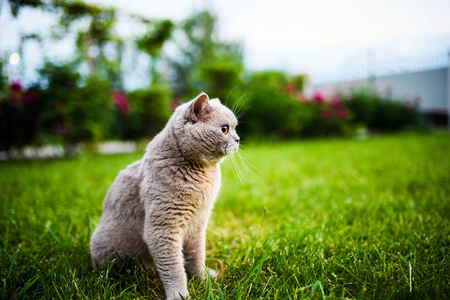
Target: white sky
<point>320,37</point>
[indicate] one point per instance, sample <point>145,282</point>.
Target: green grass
<point>318,219</point>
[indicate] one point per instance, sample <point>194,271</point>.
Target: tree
<point>206,63</point>
<point>152,42</point>
<point>16,5</point>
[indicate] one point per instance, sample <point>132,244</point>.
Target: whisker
<point>236,168</point>
<point>226,100</point>
<point>246,163</point>
<point>238,104</point>
<point>242,100</point>
<point>225,167</point>
<point>243,112</point>
<point>240,175</point>
<point>242,108</point>
<point>229,161</point>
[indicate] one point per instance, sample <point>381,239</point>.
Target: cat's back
<point>123,197</point>
<point>132,172</point>
<point>120,230</point>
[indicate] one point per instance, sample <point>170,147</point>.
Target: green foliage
<point>200,30</point>
<point>74,10</point>
<point>3,80</point>
<point>98,47</point>
<point>94,39</point>
<point>93,109</point>
<point>319,219</point>
<point>152,42</point>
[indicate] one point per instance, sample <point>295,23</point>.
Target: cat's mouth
<point>230,149</point>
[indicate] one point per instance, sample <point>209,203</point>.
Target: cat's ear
<point>200,107</point>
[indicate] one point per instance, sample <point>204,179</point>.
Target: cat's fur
<point>158,208</point>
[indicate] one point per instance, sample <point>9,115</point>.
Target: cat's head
<point>206,130</point>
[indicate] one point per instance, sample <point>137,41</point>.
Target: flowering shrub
<point>19,116</point>
<point>277,109</point>
<point>330,116</point>
<point>59,110</point>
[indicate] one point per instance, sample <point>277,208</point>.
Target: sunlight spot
<point>14,58</point>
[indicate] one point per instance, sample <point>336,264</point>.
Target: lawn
<point>308,219</point>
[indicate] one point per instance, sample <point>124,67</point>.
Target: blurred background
<point>76,74</point>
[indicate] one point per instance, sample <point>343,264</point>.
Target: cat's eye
<point>224,129</point>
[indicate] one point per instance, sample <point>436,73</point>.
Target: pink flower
<point>342,112</point>
<point>335,101</point>
<point>121,102</point>
<point>16,91</point>
<point>326,114</point>
<point>319,97</point>
<point>16,85</point>
<point>29,97</point>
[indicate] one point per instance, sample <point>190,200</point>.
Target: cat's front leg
<point>194,253</point>
<point>166,249</point>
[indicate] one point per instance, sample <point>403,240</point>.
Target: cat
<point>158,208</point>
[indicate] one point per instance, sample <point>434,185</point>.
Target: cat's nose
<point>237,140</point>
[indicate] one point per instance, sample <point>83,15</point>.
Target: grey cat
<point>158,208</point>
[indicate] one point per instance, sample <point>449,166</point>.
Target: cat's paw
<point>213,274</point>
<point>177,296</point>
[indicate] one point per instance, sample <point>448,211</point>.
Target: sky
<point>329,40</point>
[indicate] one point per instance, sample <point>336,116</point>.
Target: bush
<point>60,110</point>
<point>380,113</point>
<point>72,113</point>
<point>276,109</point>
<point>329,118</point>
